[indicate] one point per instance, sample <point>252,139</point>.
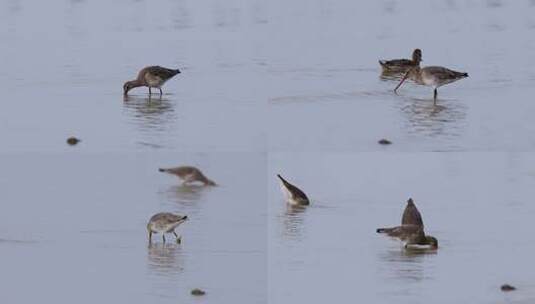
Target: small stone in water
<point>72,141</point>
<point>384,142</point>
<point>198,292</point>
<point>507,287</point>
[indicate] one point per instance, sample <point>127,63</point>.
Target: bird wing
<point>167,217</point>
<point>411,215</point>
<point>396,62</point>
<point>443,73</point>
<point>161,72</point>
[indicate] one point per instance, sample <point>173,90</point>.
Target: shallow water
<point>266,87</point>
<point>478,205</point>
<point>327,68</point>
<point>73,227</point>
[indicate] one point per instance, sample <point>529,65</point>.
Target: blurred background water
<point>266,87</point>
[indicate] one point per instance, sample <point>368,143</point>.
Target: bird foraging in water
<point>411,230</point>
<point>189,175</point>
<point>293,194</point>
<point>152,77</point>
<point>433,76</point>
<point>402,65</point>
<point>165,223</point>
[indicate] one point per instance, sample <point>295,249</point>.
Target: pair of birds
<point>166,222</point>
<point>433,76</point>
<point>411,230</point>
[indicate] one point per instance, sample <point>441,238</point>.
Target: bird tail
<point>465,74</point>
<point>210,182</point>
<point>177,71</point>
<point>162,170</point>
<point>382,62</point>
<point>384,230</point>
<point>282,179</point>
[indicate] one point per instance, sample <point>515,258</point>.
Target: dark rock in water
<point>384,142</point>
<point>198,292</point>
<point>507,287</point>
<point>72,141</point>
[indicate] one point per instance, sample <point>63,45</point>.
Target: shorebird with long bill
<point>433,76</point>
<point>152,77</point>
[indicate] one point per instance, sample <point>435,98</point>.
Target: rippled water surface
<point>64,64</point>
<point>478,205</point>
<point>327,93</point>
<point>290,87</point>
<point>73,227</point>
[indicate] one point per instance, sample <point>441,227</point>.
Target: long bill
<point>402,80</point>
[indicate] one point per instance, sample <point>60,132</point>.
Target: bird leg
<point>178,239</point>
<point>150,92</point>
<point>435,96</point>
<point>150,236</point>
<point>161,93</point>
<point>163,237</point>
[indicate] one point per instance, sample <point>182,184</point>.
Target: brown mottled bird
<point>294,195</point>
<point>188,175</point>
<point>402,65</point>
<point>412,229</point>
<point>152,77</point>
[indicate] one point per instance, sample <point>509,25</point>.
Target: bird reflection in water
<point>164,259</point>
<point>293,222</point>
<point>407,264</point>
<point>186,195</point>
<point>154,117</point>
<point>443,120</point>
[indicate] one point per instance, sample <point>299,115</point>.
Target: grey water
<point>73,227</point>
<point>478,205</point>
<point>267,87</point>
<point>326,66</point>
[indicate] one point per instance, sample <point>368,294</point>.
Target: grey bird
<point>189,175</point>
<point>294,195</point>
<point>165,223</point>
<point>411,230</point>
<point>433,76</point>
<point>152,77</point>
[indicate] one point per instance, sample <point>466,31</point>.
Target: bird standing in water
<point>152,77</point>
<point>433,76</point>
<point>165,223</point>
